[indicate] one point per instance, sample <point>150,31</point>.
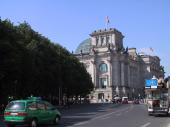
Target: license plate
<point>14,114</point>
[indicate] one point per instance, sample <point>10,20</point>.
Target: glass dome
<point>85,46</point>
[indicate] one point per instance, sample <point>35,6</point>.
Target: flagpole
<point>107,22</point>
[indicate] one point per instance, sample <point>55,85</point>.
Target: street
<point>109,115</point>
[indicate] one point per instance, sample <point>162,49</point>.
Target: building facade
<point>115,70</point>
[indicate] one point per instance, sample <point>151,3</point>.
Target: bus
<point>157,100</point>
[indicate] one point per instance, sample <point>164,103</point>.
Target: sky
<point>144,23</point>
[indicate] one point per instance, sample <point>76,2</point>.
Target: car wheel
<point>56,120</point>
<point>167,114</point>
<point>150,114</point>
<point>34,123</point>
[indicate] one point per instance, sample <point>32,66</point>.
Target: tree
<point>31,64</point>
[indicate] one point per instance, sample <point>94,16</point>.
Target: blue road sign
<point>151,83</point>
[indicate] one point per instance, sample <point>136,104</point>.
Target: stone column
<point>139,77</point>
<point>94,73</point>
<point>122,74</point>
<point>129,80</point>
<point>116,75</point>
<point>122,79</point>
<point>113,39</point>
<point>129,75</point>
<point>110,73</point>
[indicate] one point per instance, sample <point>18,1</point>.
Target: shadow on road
<point>80,114</point>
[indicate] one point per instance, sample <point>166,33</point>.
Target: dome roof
<point>85,46</point>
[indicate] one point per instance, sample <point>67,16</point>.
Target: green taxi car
<point>32,111</point>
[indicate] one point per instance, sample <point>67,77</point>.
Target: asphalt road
<point>109,115</point>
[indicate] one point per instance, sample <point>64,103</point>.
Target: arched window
<point>103,67</point>
<point>103,82</point>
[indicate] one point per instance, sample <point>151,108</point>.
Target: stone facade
<point>115,71</point>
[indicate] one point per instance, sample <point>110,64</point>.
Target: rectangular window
<point>41,105</point>
<point>107,40</point>
<point>32,106</point>
<point>16,106</point>
<point>97,41</point>
<point>103,82</point>
<point>102,40</point>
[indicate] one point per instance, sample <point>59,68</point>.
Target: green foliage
<point>32,64</point>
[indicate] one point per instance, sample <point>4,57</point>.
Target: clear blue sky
<point>144,23</point>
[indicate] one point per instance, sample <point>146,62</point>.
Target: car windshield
<point>157,96</point>
<point>16,106</point>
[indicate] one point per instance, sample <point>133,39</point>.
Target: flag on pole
<point>107,21</point>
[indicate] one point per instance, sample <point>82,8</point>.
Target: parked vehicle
<point>32,111</point>
<point>136,101</point>
<point>124,100</point>
<point>117,99</point>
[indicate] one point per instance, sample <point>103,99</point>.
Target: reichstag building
<point>115,69</point>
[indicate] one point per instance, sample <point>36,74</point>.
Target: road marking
<point>75,117</point>
<point>80,123</point>
<point>145,125</point>
<point>119,114</point>
<point>105,115</point>
<point>88,113</point>
<point>105,118</point>
<point>168,125</point>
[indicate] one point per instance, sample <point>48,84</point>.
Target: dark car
<point>124,100</point>
<point>136,101</point>
<point>117,100</point>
